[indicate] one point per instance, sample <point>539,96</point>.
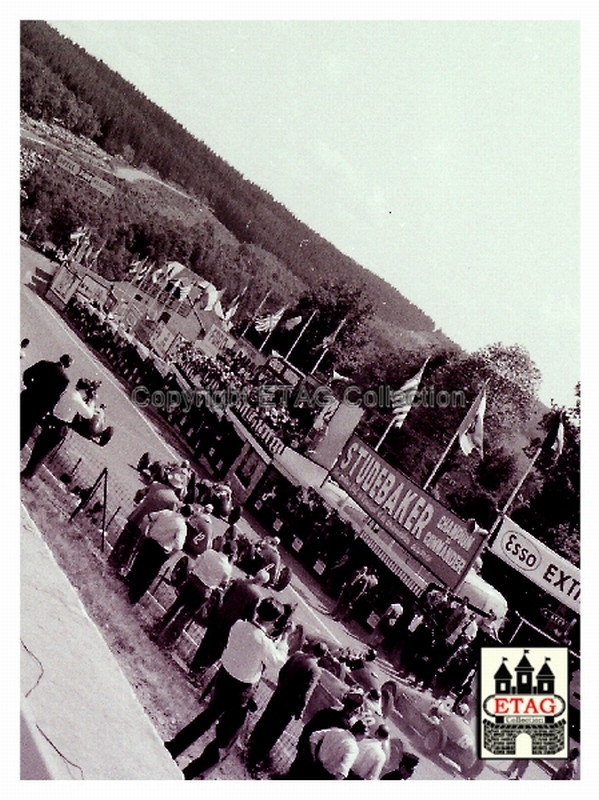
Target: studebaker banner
<point>445,544</point>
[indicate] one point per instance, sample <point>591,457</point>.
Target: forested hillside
<point>200,211</point>
<point>60,80</point>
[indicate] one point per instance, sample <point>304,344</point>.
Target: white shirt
<point>168,528</point>
<point>370,760</point>
<point>72,403</point>
<point>336,749</point>
<point>249,651</point>
<point>212,568</point>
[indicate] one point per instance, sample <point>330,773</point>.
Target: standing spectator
<point>335,750</point>
<point>199,531</point>
<point>165,535</point>
<point>373,753</point>
<point>239,602</point>
<point>458,617</point>
<point>248,652</point>
<point>156,497</point>
<point>45,381</point>
<point>297,679</point>
<point>387,626</point>
<point>55,425</point>
<point>351,591</point>
<point>209,572</point>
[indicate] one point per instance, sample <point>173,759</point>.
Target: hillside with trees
<point>194,208</point>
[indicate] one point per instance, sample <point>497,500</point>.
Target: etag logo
<point>523,710</point>
<point>520,550</point>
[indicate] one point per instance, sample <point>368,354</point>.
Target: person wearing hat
<point>45,382</point>
<point>249,651</point>
<point>156,497</point>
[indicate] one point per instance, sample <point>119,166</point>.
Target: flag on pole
<point>554,440</point>
<point>269,322</point>
<point>184,290</point>
<point>470,432</point>
<point>337,376</point>
<point>233,308</point>
<point>402,399</point>
<point>292,323</point>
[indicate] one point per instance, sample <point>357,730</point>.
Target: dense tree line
<point>127,123</point>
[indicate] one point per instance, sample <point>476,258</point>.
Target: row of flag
<point>470,433</point>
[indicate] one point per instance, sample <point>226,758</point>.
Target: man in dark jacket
<point>297,679</point>
<point>45,382</point>
<point>239,602</point>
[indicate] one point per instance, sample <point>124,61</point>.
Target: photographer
<point>250,650</point>
<point>55,426</point>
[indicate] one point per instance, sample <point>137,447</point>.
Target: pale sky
<point>443,156</point>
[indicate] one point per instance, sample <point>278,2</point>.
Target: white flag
<point>470,432</point>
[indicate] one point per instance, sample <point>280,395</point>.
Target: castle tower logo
<point>523,707</point>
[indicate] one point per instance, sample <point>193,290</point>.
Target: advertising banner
<point>446,545</point>
<point>538,563</point>
<point>161,339</point>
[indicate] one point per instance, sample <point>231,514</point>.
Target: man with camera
<point>55,425</point>
<point>249,651</point>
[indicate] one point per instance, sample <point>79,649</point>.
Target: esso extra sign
<point>541,565</point>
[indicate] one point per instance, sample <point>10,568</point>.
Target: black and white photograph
<point>300,395</point>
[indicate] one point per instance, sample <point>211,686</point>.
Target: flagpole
<point>501,514</point>
<point>326,349</point>
<point>256,312</point>
<point>514,494</point>
<point>429,480</point>
<point>303,330</point>
<point>384,436</point>
<point>268,335</point>
<point>442,459</point>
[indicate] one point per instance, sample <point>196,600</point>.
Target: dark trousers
<point>275,718</point>
<point>124,547</point>
<point>32,412</point>
<point>191,598</point>
<point>211,647</point>
<point>228,705</point>
<point>146,566</point>
<point>53,432</point>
